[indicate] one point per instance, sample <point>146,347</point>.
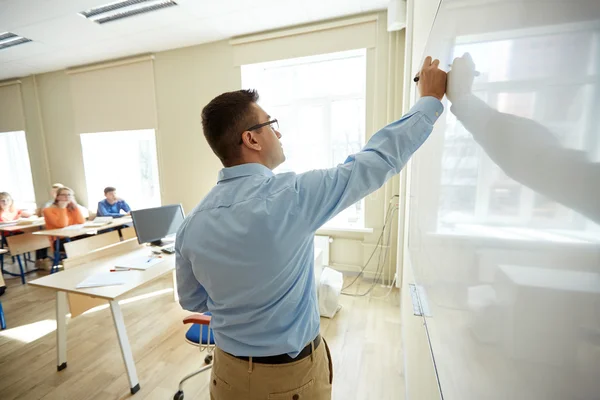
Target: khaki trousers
<point>309,378</point>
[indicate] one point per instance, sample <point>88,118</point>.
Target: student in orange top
<point>64,211</point>
<point>8,211</point>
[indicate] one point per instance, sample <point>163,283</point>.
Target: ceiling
<point>61,38</point>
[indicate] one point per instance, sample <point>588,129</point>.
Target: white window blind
<point>11,108</point>
<point>114,98</point>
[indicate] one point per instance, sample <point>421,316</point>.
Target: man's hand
<point>432,80</point>
<point>460,77</point>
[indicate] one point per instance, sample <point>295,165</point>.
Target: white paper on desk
<point>105,279</point>
<point>141,264</point>
<point>73,227</point>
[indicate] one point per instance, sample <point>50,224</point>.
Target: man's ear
<point>249,140</point>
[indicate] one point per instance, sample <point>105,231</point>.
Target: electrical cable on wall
<point>376,245</point>
<point>380,265</point>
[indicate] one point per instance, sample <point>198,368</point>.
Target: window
<point>126,160</point>
<point>320,104</point>
<point>16,171</point>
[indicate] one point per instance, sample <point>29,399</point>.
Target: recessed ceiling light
<point>125,9</point>
<point>9,39</point>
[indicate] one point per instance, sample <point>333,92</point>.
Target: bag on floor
<point>329,289</point>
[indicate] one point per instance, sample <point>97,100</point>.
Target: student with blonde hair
<point>8,211</point>
<point>64,211</point>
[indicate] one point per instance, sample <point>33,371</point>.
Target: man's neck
<point>242,162</point>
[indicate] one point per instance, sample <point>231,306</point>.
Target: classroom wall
<point>185,80</point>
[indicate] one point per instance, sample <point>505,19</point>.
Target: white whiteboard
<point>504,226</point>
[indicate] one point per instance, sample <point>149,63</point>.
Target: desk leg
<point>56,255</point>
<point>2,240</point>
<point>134,384</point>
<point>61,330</point>
<point>21,268</point>
<point>175,292</point>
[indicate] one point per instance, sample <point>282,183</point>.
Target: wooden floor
<point>364,338</point>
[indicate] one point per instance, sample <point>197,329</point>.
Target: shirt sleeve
<point>78,216</point>
<point>103,210</point>
<point>125,207</point>
<point>192,295</point>
<point>325,193</point>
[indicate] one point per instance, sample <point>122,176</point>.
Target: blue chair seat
<point>196,331</point>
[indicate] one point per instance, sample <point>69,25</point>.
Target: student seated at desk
<point>111,206</point>
<point>64,211</point>
<point>8,211</point>
<point>49,203</point>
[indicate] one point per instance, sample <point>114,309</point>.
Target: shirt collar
<point>244,170</point>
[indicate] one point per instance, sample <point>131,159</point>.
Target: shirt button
<point>437,114</point>
<point>296,397</point>
<point>215,382</point>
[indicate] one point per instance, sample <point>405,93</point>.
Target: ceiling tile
<point>23,51</point>
<point>20,13</point>
<point>167,17</point>
<point>53,31</point>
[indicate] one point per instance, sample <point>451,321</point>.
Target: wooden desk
<point>35,225</point>
<point>66,281</point>
<point>7,230</point>
<point>71,232</point>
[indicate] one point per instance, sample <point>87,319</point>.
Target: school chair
<point>200,335</point>
<point>21,245</point>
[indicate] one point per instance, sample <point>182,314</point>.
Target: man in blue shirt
<point>111,206</point>
<point>245,253</point>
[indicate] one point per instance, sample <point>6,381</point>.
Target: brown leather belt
<point>283,358</point>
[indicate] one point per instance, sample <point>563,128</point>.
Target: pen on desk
<point>120,270</point>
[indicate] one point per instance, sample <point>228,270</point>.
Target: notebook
<point>105,279</point>
<point>141,263</point>
<point>98,221</point>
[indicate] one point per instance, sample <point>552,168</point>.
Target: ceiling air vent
<point>125,9</point>
<point>8,39</point>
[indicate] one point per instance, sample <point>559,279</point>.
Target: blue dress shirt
<point>245,253</point>
<point>105,209</point>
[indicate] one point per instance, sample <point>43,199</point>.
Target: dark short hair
<point>109,189</point>
<point>224,119</point>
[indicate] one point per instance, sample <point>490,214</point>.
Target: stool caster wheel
<point>208,359</point>
<point>178,395</point>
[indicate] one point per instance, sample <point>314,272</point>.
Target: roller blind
<point>348,34</point>
<point>11,108</point>
<point>114,98</point>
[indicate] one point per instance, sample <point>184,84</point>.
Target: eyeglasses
<point>274,125</point>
